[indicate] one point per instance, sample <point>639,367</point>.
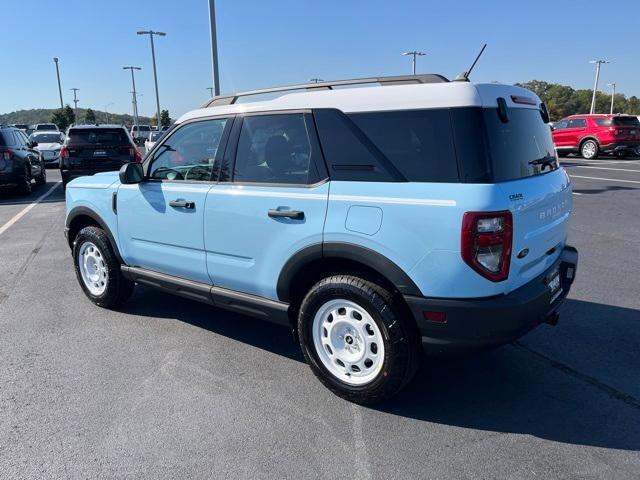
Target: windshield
<point>98,136</point>
<point>46,138</point>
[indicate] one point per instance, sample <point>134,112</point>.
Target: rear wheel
<point>24,186</point>
<point>98,269</point>
<point>358,339</point>
<point>589,149</point>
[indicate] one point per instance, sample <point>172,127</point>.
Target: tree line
<point>562,100</point>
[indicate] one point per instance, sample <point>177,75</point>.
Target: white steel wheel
<point>348,342</point>
<point>93,268</point>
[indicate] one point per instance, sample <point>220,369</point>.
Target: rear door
<point>271,201</point>
<point>99,149</point>
<point>160,221</point>
<point>527,173</point>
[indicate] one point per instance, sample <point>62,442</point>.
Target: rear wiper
<point>548,160</point>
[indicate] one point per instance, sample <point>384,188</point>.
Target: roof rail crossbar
<point>383,81</point>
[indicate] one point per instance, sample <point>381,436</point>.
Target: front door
<point>273,205</point>
<point>160,221</point>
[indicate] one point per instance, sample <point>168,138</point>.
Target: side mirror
<point>33,144</point>
<point>131,173</point>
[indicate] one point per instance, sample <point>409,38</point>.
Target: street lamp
<point>151,33</point>
<point>414,54</point>
<point>55,60</point>
<point>135,97</point>
<point>210,90</point>
<point>613,94</point>
<point>75,103</point>
<point>316,80</point>
<point>595,85</point>
<point>214,47</point>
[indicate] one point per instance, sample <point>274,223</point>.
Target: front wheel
<point>589,150</point>
<point>358,339</point>
<point>98,269</point>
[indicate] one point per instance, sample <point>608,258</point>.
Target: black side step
<point>253,305</point>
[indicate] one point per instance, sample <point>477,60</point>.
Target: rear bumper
<point>485,322</point>
<point>621,146</point>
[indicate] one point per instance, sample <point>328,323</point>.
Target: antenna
<point>464,76</point>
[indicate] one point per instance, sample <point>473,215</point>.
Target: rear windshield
<point>155,136</point>
<point>471,145</point>
<point>98,136</point>
<point>142,128</point>
<point>46,126</point>
<point>626,121</point>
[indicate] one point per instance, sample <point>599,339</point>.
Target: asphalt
<point>168,388</point>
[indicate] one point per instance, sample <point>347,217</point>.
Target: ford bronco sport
<point>370,220</point>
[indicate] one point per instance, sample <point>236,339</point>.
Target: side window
<point>275,149</point>
<point>561,125</point>
<point>190,153</point>
<point>577,123</point>
<point>418,143</point>
<point>17,140</point>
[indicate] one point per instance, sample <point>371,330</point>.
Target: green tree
<point>90,116</point>
<point>63,117</point>
<point>165,120</point>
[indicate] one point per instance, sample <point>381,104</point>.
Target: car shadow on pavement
<point>506,390</point>
<point>10,197</point>
<point>594,191</point>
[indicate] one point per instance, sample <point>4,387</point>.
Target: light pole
<point>106,110</point>
<point>613,94</point>
<point>75,103</point>
<point>214,47</point>
<point>55,59</point>
<point>151,33</point>
<point>595,85</point>
<point>414,54</point>
<point>316,80</point>
<point>135,97</point>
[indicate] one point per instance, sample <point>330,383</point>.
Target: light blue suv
<point>409,212</point>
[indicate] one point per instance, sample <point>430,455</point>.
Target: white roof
<point>380,98</point>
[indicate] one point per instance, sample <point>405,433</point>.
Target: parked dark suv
<point>90,149</point>
<point>20,163</point>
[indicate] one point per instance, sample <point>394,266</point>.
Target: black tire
<point>118,289</point>
<point>42,178</point>
<point>24,187</point>
<point>589,149</point>
<point>402,345</point>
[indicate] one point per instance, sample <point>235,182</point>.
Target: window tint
<point>98,136</point>
<point>602,122</point>
<point>349,154</point>
<point>189,153</point>
<point>274,149</point>
<point>520,148</point>
<point>626,121</point>
<point>577,123</point>
<point>561,125</point>
<point>418,143</point>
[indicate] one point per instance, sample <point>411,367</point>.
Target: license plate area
<point>552,280</point>
<point>99,153</point>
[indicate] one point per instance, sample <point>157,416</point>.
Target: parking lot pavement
<point>169,388</point>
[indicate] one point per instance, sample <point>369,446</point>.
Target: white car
<point>151,141</point>
<point>48,143</point>
<point>140,133</point>
<point>45,127</point>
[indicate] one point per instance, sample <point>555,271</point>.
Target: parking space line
<point>26,209</point>
<point>605,168</point>
<point>606,179</point>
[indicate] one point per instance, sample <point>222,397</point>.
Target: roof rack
<point>383,81</point>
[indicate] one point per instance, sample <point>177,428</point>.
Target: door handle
<point>180,203</point>
<point>294,214</point>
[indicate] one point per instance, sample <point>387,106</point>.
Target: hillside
<point>43,115</point>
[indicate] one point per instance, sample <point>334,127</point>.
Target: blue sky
<point>263,43</point>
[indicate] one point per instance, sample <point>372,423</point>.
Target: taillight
<point>7,155</point>
<point>64,153</point>
<point>486,243</point>
<point>133,152</point>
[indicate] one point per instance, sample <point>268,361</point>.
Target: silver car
<point>48,143</point>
